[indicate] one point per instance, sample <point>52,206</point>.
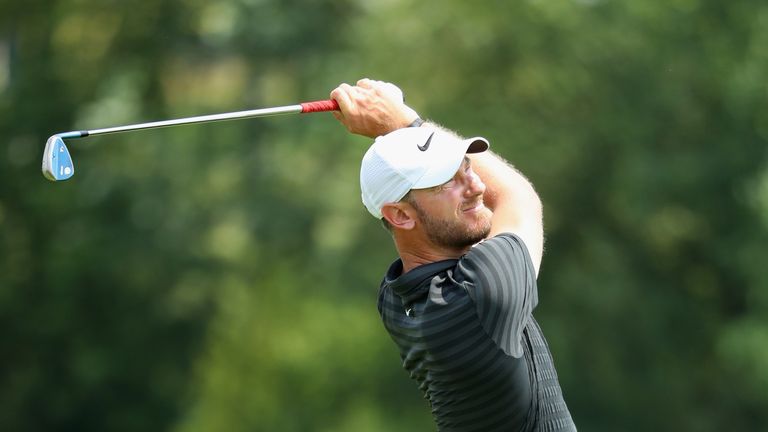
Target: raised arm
<point>515,204</point>
<point>374,108</point>
<point>511,197</point>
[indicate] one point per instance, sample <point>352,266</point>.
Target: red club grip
<point>319,106</point>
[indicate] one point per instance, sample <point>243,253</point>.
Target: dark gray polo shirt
<point>467,336</point>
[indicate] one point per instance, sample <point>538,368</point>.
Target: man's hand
<point>372,108</point>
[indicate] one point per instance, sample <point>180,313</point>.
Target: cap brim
<point>443,174</point>
<point>477,145</point>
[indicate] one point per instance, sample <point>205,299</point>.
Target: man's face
<point>453,214</point>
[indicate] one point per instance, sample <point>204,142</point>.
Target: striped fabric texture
<point>467,336</point>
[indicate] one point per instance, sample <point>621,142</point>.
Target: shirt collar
<point>408,285</point>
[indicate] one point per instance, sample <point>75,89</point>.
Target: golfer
<point>458,301</point>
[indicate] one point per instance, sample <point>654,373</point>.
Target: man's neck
<point>415,254</point>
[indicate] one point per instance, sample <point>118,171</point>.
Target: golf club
<point>57,163</point>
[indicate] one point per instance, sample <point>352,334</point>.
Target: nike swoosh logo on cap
<point>425,146</point>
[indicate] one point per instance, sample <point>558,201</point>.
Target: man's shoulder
<point>496,254</point>
<point>501,240</point>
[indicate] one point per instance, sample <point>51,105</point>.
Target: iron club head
<point>57,163</point>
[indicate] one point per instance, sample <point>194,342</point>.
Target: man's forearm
<point>504,183</point>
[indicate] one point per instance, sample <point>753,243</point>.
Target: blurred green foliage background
<point>223,276</point>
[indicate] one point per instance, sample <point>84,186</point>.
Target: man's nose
<point>475,186</point>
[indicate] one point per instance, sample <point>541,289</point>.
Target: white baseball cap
<point>411,158</point>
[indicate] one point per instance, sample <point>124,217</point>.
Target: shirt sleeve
<point>499,276</point>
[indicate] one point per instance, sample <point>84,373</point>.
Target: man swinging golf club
<point>458,302</point>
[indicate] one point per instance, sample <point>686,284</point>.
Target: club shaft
<point>57,164</point>
<point>305,107</point>
<point>263,112</point>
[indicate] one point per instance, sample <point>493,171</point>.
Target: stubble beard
<point>454,234</point>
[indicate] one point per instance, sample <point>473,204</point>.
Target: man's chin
<point>483,223</point>
<point>478,234</point>
<point>483,234</point>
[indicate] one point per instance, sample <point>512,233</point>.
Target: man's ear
<point>400,215</point>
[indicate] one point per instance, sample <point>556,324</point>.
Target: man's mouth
<point>474,207</point>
